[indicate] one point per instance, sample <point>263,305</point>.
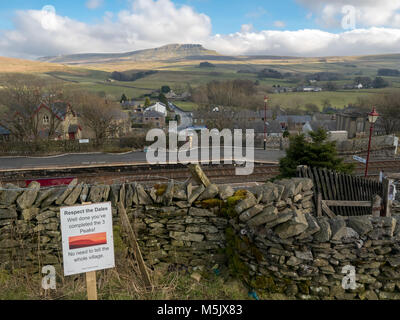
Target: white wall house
<point>158,107</point>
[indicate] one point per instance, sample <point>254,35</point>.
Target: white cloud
<point>369,13</point>
<point>147,24</point>
<point>310,42</point>
<point>94,4</point>
<point>279,24</point>
<point>151,23</point>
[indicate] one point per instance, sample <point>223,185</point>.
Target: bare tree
<point>97,114</point>
<point>388,106</point>
<point>22,96</point>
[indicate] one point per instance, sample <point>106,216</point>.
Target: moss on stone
<point>119,244</point>
<point>160,189</point>
<point>304,286</point>
<point>210,203</point>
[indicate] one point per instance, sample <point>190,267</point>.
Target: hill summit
<point>168,52</point>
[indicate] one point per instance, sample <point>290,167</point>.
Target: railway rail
<point>146,173</point>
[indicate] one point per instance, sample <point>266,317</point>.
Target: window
<point>46,119</point>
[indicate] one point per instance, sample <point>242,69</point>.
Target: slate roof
<point>328,125</point>
<point>153,114</point>
<point>295,119</point>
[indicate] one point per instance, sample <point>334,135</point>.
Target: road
<point>102,159</point>
<point>186,118</point>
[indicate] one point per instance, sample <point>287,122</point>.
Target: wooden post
<point>133,242</point>
<point>386,201</point>
<point>376,206</point>
<point>319,205</point>
<point>91,283</point>
<point>199,175</point>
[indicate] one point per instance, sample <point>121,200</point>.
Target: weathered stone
<point>29,214</point>
<point>43,194</point>
<point>84,194</point>
<point>250,213</point>
<point>313,227</point>
<point>67,192</point>
<point>114,195</point>
<point>128,196</point>
<point>9,243</point>
<point>338,227</point>
<point>9,194</point>
<point>269,214</point>
<point>201,229</point>
<point>209,193</point>
<point>143,197</point>
<point>289,190</point>
<point>325,232</point>
<point>225,192</point>
<point>53,197</point>
<point>293,227</point>
<point>180,192</point>
<point>394,261</point>
<point>168,194</point>
<point>10,213</point>
<point>248,202</point>
<point>304,255</point>
<point>293,261</point>
<point>183,236</point>
<point>27,199</point>
<point>74,195</point>
<point>282,217</point>
<point>362,225</point>
<point>195,193</point>
<point>200,212</point>
<point>368,295</point>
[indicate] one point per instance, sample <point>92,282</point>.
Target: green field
<point>182,74</point>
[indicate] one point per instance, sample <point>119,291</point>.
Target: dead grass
<point>122,283</point>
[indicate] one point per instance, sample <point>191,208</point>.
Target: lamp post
<point>372,117</point>
<point>265,122</point>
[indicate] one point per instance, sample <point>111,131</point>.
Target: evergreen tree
<point>319,153</point>
<point>163,99</point>
<point>147,102</point>
<point>123,98</point>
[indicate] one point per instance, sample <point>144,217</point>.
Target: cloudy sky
<point>35,28</point>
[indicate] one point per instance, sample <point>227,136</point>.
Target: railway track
<point>145,173</point>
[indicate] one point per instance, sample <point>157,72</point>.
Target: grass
<point>180,73</point>
<point>122,283</point>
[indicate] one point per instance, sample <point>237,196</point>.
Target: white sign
<point>87,238</point>
<point>84,141</point>
<point>359,159</point>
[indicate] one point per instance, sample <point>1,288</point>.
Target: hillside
<point>11,65</point>
<point>165,53</point>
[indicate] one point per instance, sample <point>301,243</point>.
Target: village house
<point>59,121</point>
<point>158,107</point>
<point>154,118</point>
<point>292,122</point>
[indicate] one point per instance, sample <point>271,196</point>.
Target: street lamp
<point>265,122</point>
<point>372,117</point>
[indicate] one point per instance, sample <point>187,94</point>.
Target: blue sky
<point>234,27</point>
<point>227,18</point>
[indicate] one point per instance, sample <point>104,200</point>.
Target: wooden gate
<point>343,194</point>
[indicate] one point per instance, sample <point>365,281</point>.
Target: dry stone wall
<point>268,235</point>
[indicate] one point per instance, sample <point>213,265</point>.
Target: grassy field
<point>186,72</point>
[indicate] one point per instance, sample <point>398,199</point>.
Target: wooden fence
<point>344,194</point>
